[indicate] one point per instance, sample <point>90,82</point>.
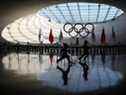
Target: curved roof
<point>28,28</point>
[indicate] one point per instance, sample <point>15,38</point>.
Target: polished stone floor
<point>34,74</point>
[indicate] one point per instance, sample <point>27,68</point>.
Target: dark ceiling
<point>13,3</point>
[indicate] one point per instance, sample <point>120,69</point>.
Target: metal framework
<point>78,12</point>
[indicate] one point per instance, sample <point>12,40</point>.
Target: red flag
<point>103,37</point>
<point>51,37</point>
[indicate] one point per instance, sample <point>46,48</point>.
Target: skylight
<point>80,12</point>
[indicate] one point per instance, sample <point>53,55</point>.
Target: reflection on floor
<point>103,71</point>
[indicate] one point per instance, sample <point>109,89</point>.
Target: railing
<point>94,50</point>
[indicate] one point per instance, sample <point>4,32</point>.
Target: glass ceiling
<point>80,12</point>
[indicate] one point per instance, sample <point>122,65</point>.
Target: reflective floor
<point>43,72</point>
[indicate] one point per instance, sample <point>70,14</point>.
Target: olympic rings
<point>78,29</point>
<point>73,34</point>
<point>90,27</point>
<point>68,27</point>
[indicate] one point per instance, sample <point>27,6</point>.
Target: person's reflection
<point>40,58</point>
<point>86,50</point>
<point>83,60</point>
<point>65,73</point>
<point>85,70</point>
<point>51,58</point>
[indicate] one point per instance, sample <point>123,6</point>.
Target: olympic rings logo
<point>78,29</point>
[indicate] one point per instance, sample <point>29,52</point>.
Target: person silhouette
<point>40,37</point>
<point>65,73</point>
<point>64,53</point>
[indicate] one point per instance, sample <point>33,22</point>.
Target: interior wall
<point>119,29</point>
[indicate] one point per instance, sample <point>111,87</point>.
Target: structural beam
<point>61,13</point>
<point>78,7</point>
<point>99,6</point>
<point>107,13</point>
<point>70,12</point>
<point>54,15</point>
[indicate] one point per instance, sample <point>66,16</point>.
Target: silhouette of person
<point>40,37</point>
<point>85,70</point>
<point>65,73</point>
<point>64,53</point>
